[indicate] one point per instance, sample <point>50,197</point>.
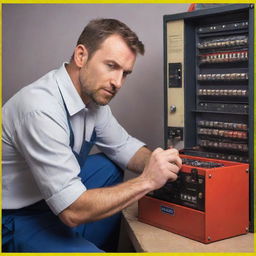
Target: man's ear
<point>80,55</point>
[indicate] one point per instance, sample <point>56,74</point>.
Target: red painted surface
<point>226,205</point>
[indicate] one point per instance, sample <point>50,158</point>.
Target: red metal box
<point>226,204</point>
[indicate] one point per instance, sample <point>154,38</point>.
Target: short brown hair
<point>98,30</point>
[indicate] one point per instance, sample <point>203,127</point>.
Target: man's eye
<point>111,66</point>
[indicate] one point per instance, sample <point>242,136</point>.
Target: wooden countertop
<point>146,238</point>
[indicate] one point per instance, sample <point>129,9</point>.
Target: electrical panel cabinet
<point>209,102</point>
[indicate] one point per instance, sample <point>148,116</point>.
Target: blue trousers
<point>36,229</point>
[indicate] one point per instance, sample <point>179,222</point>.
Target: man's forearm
<point>95,204</point>
<point>138,162</point>
<point>100,203</point>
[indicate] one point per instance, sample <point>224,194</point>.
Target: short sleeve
<point>42,138</point>
<point>113,139</point>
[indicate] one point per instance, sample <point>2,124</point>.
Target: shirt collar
<point>69,93</point>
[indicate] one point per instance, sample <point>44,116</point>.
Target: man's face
<point>103,75</point>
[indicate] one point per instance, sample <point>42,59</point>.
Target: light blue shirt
<point>38,162</point>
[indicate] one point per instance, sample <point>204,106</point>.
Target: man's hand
<point>162,166</point>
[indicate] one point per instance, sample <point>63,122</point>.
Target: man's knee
<point>100,171</point>
<point>111,168</point>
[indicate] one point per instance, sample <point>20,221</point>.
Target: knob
<point>172,108</point>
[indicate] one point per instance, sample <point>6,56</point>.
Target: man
<point>56,198</point>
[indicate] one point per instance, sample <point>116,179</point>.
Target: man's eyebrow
<point>113,62</point>
<point>127,72</point>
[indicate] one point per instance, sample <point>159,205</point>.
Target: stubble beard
<point>94,94</point>
<point>98,101</point>
<point>96,98</point>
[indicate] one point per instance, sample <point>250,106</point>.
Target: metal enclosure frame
<point>190,20</point>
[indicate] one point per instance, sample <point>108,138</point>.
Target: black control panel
<point>175,75</point>
<point>175,133</point>
<point>187,190</point>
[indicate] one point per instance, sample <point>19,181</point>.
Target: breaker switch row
<point>223,107</point>
<point>221,57</point>
<point>224,42</point>
<point>224,145</point>
<point>224,92</point>
<point>223,125</point>
<point>223,133</point>
<point>224,27</point>
<point>226,76</point>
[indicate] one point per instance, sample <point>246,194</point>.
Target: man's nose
<point>117,80</point>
